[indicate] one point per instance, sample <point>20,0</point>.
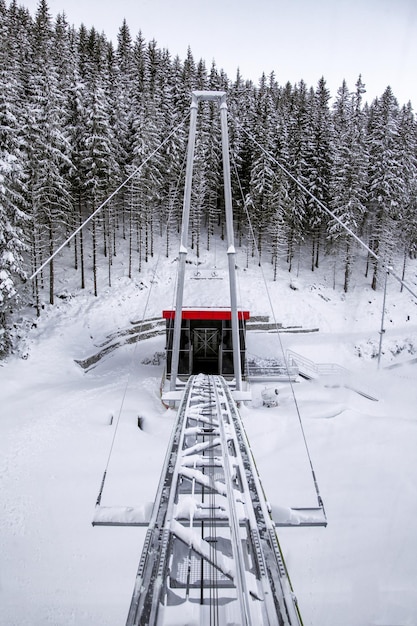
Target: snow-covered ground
<point>61,426</point>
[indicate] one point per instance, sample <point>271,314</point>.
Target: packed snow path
<point>211,555</point>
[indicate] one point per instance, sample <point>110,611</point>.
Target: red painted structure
<point>206,343</point>
<point>206,314</point>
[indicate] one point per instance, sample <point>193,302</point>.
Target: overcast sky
<point>297,39</point>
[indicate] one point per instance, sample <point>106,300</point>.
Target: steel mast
<point>220,98</point>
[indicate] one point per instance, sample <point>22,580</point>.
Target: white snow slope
<point>61,426</point>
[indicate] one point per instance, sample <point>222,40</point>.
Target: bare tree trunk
<point>259,246</point>
<point>316,263</point>
<point>124,215</point>
<point>114,236</point>
<point>51,263</point>
<point>75,245</point>
<point>152,233</point>
<point>110,259</point>
<point>139,244</point>
<point>367,265</point>
<point>146,241</point>
<point>94,257</point>
<point>35,284</point>
<point>275,261</point>
<point>247,250</point>
<point>374,276</point>
<point>290,247</point>
<point>313,252</point>
<point>347,267</point>
<point>81,244</point>
<point>130,236</point>
<point>167,233</point>
<point>298,258</point>
<point>404,266</point>
<point>105,221</point>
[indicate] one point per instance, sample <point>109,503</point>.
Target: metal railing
<point>311,367</point>
<point>271,371</point>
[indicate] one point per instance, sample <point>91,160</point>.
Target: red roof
<point>205,314</point>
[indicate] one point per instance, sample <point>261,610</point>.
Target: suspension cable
<point>297,408</point>
<point>114,193</point>
<point>126,387</point>
<point>323,207</point>
<point>152,282</point>
<point>171,327</point>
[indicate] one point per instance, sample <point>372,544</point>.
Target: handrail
<point>318,368</point>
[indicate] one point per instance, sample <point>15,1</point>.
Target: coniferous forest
<point>79,115</point>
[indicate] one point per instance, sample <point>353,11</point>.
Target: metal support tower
<point>220,98</point>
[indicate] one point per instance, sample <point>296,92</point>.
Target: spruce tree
<point>262,184</point>
<point>386,187</point>
<point>98,162</point>
<point>123,94</point>
<point>407,129</point>
<point>241,104</point>
<point>173,152</point>
<point>47,146</point>
<point>319,161</point>
<point>349,175</point>
<point>298,143</point>
<point>13,216</point>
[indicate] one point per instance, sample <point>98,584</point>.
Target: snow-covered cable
<point>152,282</point>
<point>114,193</point>
<point>168,222</point>
<point>127,381</point>
<point>316,486</point>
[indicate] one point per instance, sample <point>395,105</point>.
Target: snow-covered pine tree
<point>349,173</point>
<point>124,130</point>
<point>386,188</point>
<point>173,152</point>
<point>76,128</point>
<point>262,182</point>
<point>319,163</point>
<point>241,103</point>
<point>65,58</point>
<point>147,124</point>
<point>47,146</point>
<point>281,226</point>
<point>202,142</point>
<point>214,202</point>
<point>278,235</point>
<point>13,216</point>
<point>113,212</point>
<point>176,108</point>
<point>98,159</point>
<point>407,129</point>
<point>298,139</point>
<point>86,115</point>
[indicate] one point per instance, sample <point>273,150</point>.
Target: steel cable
<point>152,282</point>
<point>319,498</point>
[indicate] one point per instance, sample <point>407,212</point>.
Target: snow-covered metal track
<point>211,555</point>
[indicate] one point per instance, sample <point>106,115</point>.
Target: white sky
<point>297,39</point>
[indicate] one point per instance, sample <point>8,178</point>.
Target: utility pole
<point>382,329</point>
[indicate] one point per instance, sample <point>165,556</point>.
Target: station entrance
<point>206,350</point>
<point>206,342</point>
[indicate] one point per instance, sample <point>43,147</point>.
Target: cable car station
<point>206,343</point>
